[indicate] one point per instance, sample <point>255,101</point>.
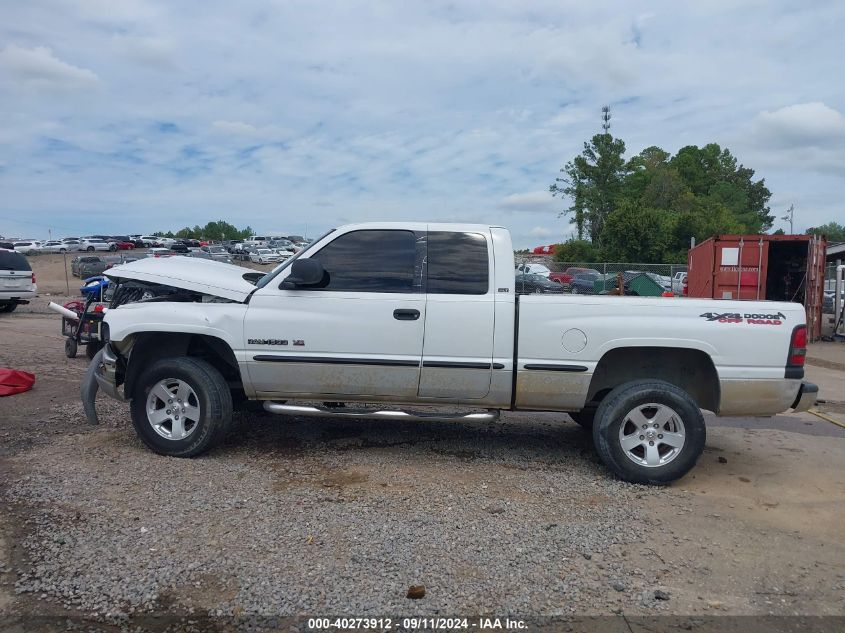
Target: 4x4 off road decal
<point>751,319</point>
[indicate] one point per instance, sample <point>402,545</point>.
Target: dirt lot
<point>295,516</point>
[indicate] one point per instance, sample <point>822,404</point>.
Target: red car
<point>566,276</point>
<point>122,242</point>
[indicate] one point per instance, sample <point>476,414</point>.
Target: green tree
<point>576,251</point>
<point>712,172</point>
<point>593,182</point>
<point>634,233</point>
<point>834,231</point>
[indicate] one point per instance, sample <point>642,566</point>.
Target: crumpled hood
<point>198,275</point>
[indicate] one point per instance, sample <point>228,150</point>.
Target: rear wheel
<point>649,432</point>
<point>181,407</point>
<point>70,348</point>
<point>90,249</point>
<point>8,307</point>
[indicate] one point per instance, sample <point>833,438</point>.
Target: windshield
<point>266,279</point>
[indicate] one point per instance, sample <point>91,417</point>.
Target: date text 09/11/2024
<point>416,623</point>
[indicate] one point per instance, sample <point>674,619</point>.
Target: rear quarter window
<point>13,261</point>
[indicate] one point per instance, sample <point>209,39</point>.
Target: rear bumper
<point>806,397</point>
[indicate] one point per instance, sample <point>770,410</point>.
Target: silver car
<point>217,253</point>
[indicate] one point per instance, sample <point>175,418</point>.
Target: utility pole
<point>790,213</point>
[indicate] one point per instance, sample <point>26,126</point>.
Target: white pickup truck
<point>427,314</point>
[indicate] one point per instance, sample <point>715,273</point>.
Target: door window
<point>369,261</point>
<point>457,263</point>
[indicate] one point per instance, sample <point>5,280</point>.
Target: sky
<point>131,116</point>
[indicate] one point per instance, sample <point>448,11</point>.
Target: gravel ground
<point>296,516</point>
<point>330,517</point>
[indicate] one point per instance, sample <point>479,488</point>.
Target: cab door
<point>357,334</point>
<point>460,307</point>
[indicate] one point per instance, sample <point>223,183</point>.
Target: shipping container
<point>761,267</point>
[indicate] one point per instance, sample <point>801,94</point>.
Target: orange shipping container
<point>761,267</point>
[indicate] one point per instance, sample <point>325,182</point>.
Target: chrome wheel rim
<point>652,435</point>
<point>173,409</point>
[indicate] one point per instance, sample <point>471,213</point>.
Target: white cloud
<point>531,201</point>
<point>801,125</point>
<point>39,67</point>
<point>540,231</point>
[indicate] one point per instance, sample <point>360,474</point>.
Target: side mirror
<point>304,272</point>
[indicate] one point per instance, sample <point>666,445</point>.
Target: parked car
<point>829,304</point>
<point>91,244</point>
<point>678,282</point>
<point>199,254</point>
<point>264,256</point>
<point>536,269</point>
<point>283,244</point>
<point>566,276</point>
<point>54,246</point>
<point>17,281</point>
<point>123,242</point>
<point>636,372</point>
<point>584,283</point>
<point>179,247</point>
<point>73,246</point>
<point>150,241</point>
<point>27,248</point>
<point>117,260</point>
<point>218,253</point>
<point>527,283</point>
<point>85,266</point>
<point>160,252</point>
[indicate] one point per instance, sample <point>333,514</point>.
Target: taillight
<point>797,353</point>
<point>798,347</point>
<point>33,277</point>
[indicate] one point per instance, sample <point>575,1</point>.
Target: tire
<point>112,248</point>
<point>70,348</point>
<point>649,401</point>
<point>91,350</point>
<point>207,393</point>
<point>584,418</point>
<point>62,251</point>
<point>90,249</point>
<point>8,307</point>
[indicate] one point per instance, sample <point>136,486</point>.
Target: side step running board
<point>491,415</point>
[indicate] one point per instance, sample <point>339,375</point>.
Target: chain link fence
<point>604,268</point>
<point>665,275</point>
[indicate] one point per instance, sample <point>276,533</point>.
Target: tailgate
<point>15,280</point>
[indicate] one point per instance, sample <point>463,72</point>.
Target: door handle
<point>406,315</point>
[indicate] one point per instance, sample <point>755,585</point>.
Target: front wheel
<point>90,249</point>
<point>181,407</point>
<point>649,432</point>
<point>584,418</point>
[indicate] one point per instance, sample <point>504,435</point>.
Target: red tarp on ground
<point>14,381</point>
